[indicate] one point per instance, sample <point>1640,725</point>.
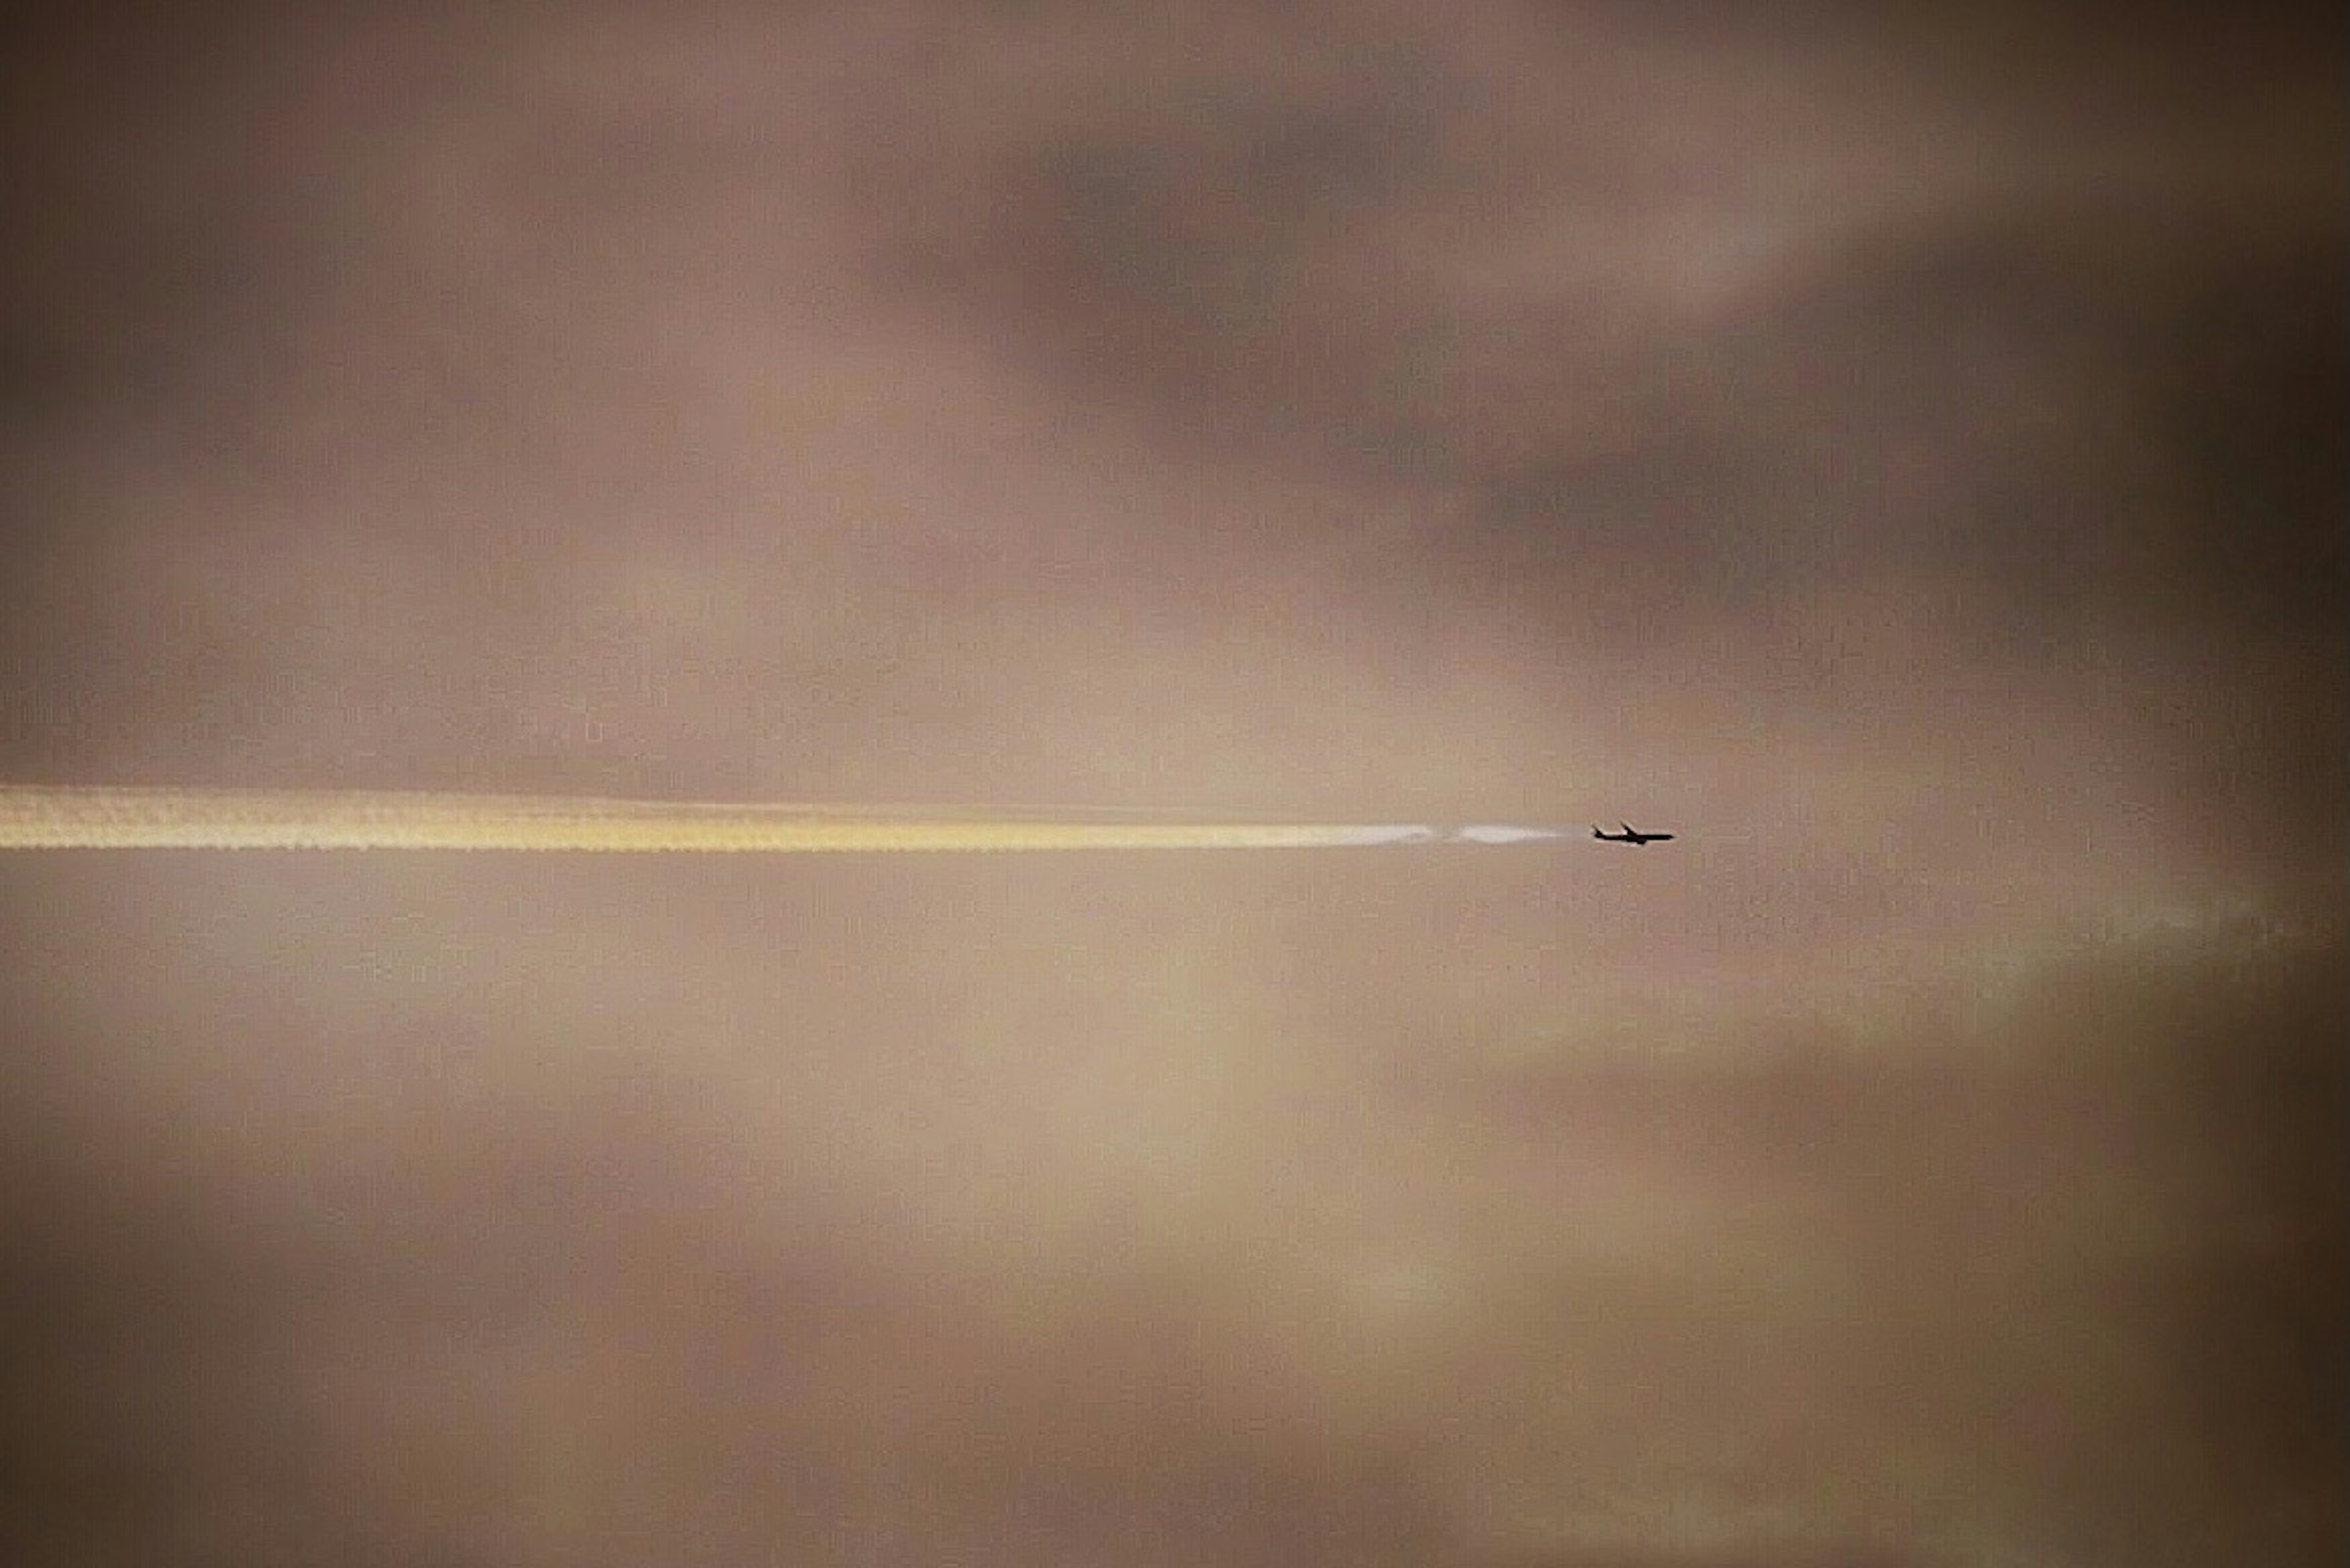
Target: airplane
<point>1630,836</point>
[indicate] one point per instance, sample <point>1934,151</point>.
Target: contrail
<point>78,817</point>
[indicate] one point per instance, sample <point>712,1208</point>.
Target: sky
<point>1900,450</point>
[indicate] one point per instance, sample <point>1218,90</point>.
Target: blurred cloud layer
<point>1903,454</point>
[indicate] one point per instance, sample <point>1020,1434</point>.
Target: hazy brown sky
<point>1899,449</point>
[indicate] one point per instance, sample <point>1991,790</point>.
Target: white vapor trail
<point>86,817</point>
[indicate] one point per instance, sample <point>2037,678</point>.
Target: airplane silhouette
<point>1630,836</point>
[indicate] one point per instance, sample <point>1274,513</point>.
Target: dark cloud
<point>1901,452</point>
<point>2031,396</point>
